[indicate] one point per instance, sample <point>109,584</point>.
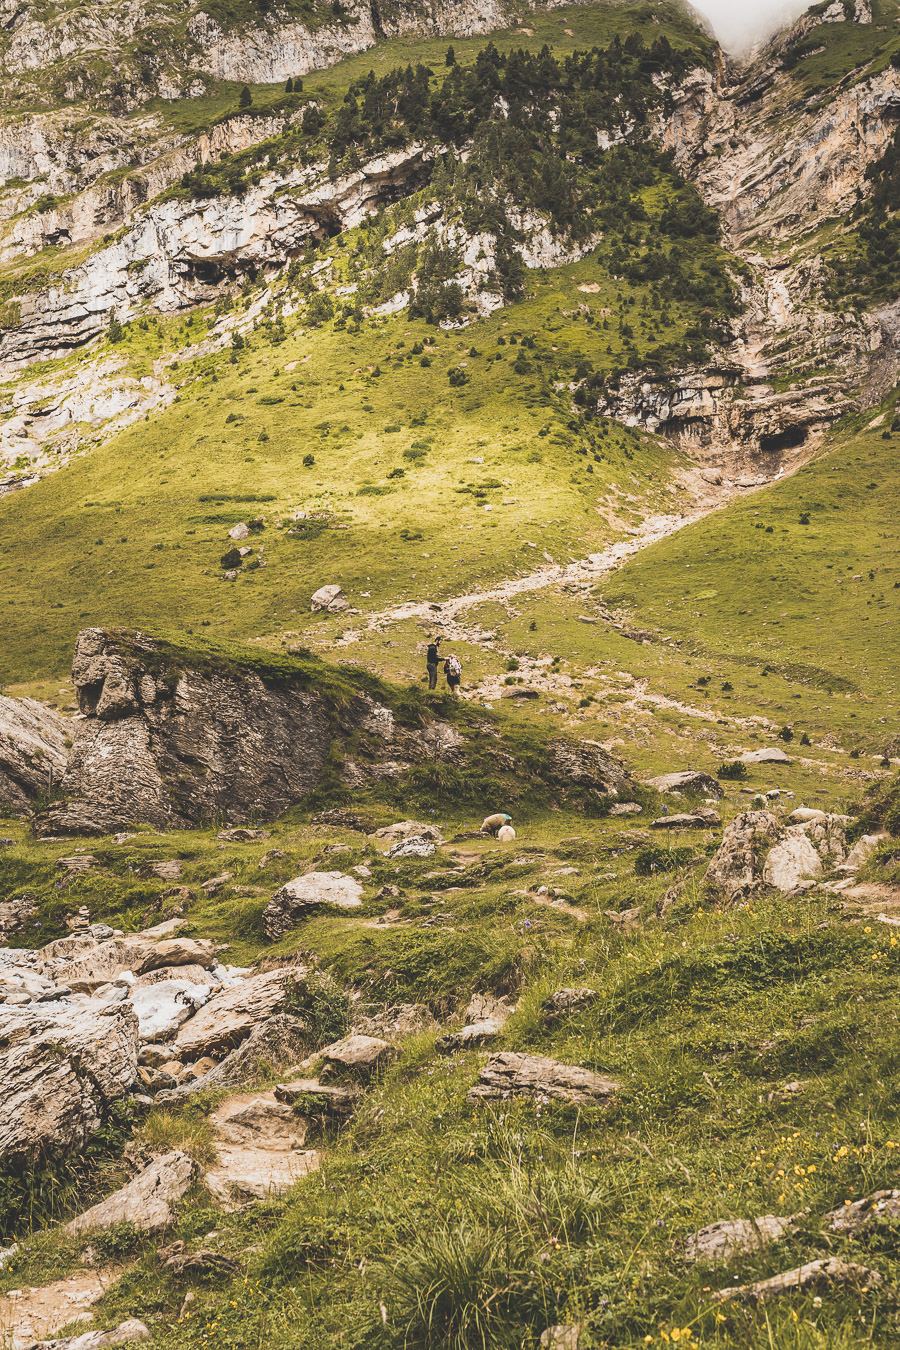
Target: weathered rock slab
<point>229,1017</point>
<point>814,1275</point>
<point>357,1056</point>
<point>64,1065</point>
<point>735,1237</point>
<point>32,751</point>
<point>850,1218</point>
<point>510,1074</point>
<point>146,1201</point>
<point>162,1008</point>
<point>703,819</point>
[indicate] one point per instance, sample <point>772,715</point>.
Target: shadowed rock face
<point>32,750</point>
<point>179,746</point>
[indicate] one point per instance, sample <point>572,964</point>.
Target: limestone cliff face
<point>776,166</point>
<point>84,170</point>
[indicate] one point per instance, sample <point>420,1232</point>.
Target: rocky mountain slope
<point>329,329</point>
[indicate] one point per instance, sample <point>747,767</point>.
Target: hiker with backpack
<point>432,657</point>
<point>453,671</point>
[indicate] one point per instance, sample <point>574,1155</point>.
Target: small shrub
<point>785,734</point>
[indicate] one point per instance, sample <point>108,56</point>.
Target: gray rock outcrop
<point>510,1074</point>
<point>64,1066</point>
<point>735,868</point>
<point>124,1334</point>
<point>758,851</point>
<point>146,1201</point>
<point>735,1237</point>
<point>172,745</point>
<point>279,1041</point>
<point>303,894</point>
<point>33,751</point>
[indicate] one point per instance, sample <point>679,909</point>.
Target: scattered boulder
<point>861,852</point>
<point>625,809</point>
<point>358,1056</point>
<point>279,1041</point>
<point>146,1201</point>
<point>239,531</point>
<point>857,1214</point>
<point>471,1036</point>
<point>770,754</point>
<point>343,819</point>
<point>414,847</point>
<point>231,1015</point>
<point>734,869</point>
<point>702,819</point>
<point>814,1275</point>
<point>691,782</point>
<point>242,834</point>
<point>317,1099</point>
<point>735,1237</point>
<point>301,895</point>
<point>803,852</point>
<point>32,751</point>
<point>802,814</point>
<point>626,920</point>
<point>509,1074</point>
<point>563,1002</point>
<point>64,1065</point>
<point>409,829</point>
<point>328,597</point>
<point>16,915</point>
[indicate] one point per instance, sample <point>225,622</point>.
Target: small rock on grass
<point>858,1214</point>
<point>566,1336</point>
<point>356,1055</point>
<point>509,1074</point>
<point>297,897</point>
<point>145,1201</point>
<point>703,819</point>
<point>562,1002</point>
<point>814,1275</point>
<point>692,781</point>
<point>735,1237</point>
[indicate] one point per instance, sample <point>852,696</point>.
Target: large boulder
<point>735,869</point>
<point>303,894</point>
<point>32,751</point>
<point>588,765</point>
<point>64,1065</point>
<point>146,1201</point>
<point>177,742</point>
<point>230,1016</point>
<point>758,851</point>
<point>162,1008</point>
<point>356,1056</point>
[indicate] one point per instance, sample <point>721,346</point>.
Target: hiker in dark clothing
<point>432,659</point>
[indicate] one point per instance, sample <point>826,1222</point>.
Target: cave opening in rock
<point>788,439</point>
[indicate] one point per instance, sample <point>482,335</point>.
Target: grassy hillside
<point>801,582</point>
<point>755,1048</point>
